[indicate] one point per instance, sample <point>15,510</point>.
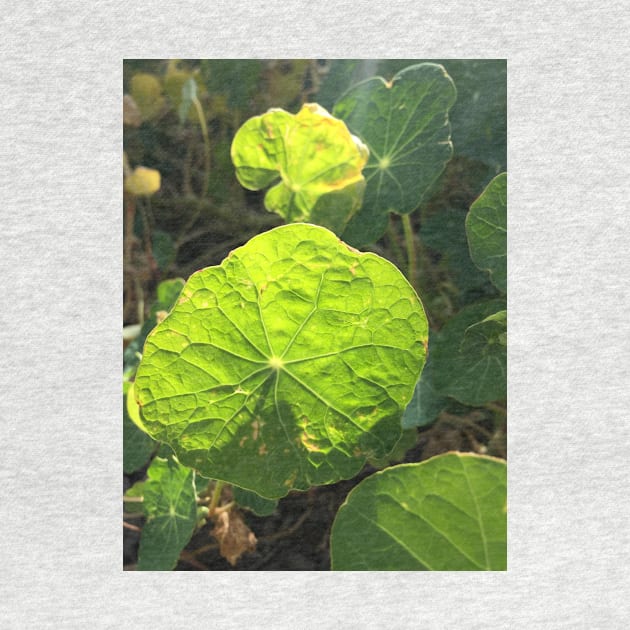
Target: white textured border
<point>60,144</point>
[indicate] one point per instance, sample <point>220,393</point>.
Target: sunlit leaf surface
<point>315,158</point>
<point>447,513</point>
<point>287,365</point>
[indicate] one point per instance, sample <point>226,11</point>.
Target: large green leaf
<point>287,365</point>
<point>405,125</point>
<point>486,228</point>
<point>448,513</point>
<point>254,502</point>
<point>469,362</point>
<point>171,509</point>
<point>316,159</point>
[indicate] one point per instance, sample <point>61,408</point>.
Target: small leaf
<point>171,510</point>
<point>473,371</point>
<point>405,126</point>
<point>316,159</point>
<point>486,228</point>
<point>254,502</point>
<point>137,445</point>
<point>287,365</point>
<point>143,182</point>
<point>189,93</point>
<point>447,513</point>
<point>133,498</point>
<point>489,331</point>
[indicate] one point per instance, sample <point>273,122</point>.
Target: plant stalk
<point>216,497</point>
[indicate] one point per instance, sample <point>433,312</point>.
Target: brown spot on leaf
<point>263,449</point>
<point>233,535</point>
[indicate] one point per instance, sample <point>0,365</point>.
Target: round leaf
<point>314,155</point>
<point>170,505</point>
<point>486,228</point>
<point>469,362</point>
<point>405,126</point>
<point>287,365</point>
<point>447,513</point>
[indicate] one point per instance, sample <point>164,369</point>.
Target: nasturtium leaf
<point>287,365</point>
<point>426,403</point>
<point>254,502</point>
<point>137,445</point>
<point>489,331</point>
<point>486,228</point>
<point>445,232</point>
<point>167,292</point>
<point>467,366</point>
<point>170,506</point>
<point>448,513</point>
<point>316,159</point>
<point>405,125</point>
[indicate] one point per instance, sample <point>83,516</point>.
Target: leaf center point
<point>276,363</point>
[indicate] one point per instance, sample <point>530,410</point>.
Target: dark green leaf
<point>254,502</point>
<point>405,126</point>
<point>448,513</point>
<point>171,510</point>
<point>486,228</point>
<point>473,372</point>
<point>287,365</point>
<point>426,402</point>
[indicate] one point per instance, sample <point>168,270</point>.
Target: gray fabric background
<point>60,148</point>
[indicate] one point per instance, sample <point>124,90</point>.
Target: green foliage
<point>316,159</point>
<point>404,123</point>
<point>426,402</point>
<point>287,366</point>
<point>254,502</point>
<point>444,514</point>
<point>298,359</point>
<point>486,227</point>
<point>471,367</point>
<point>169,504</point>
<point>137,445</point>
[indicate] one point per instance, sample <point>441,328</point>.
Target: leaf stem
<point>216,497</point>
<point>411,250</point>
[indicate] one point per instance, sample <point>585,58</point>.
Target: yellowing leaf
<point>317,160</point>
<point>143,181</point>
